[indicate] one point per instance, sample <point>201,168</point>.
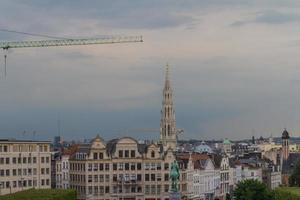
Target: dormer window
<point>152,154</point>
<point>95,156</point>
<point>132,153</point>
<point>126,153</point>
<point>120,154</point>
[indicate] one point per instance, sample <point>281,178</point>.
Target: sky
<point>235,68</point>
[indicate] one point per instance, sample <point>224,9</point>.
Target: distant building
<point>203,177</point>
<point>203,148</point>
<point>227,146</point>
<point>289,159</point>
<point>62,167</point>
<point>24,164</point>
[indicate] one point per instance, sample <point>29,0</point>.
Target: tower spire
<point>167,123</point>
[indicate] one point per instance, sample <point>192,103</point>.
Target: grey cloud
<point>270,17</point>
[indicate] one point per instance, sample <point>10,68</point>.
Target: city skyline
<point>234,69</point>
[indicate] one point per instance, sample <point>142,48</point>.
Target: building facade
<point>121,168</point>
<point>23,165</point>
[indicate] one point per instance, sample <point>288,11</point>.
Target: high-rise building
<point>24,164</point>
<point>168,133</point>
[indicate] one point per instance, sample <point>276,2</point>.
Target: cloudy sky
<point>235,68</point>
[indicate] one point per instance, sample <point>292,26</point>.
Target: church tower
<point>285,145</point>
<point>168,133</point>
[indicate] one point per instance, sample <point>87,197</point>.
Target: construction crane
<point>63,42</point>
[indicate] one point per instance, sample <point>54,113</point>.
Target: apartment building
<point>24,164</point>
<point>122,169</point>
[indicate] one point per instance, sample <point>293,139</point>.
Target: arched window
<point>152,154</point>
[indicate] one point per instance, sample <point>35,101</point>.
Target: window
<point>24,160</point>
<point>147,177</point>
<point>14,160</point>
<point>147,166</point>
<point>126,166</point>
<point>90,178</point>
<point>1,160</point>
<point>47,159</point>
<point>132,153</point>
<point>107,178</point>
<point>107,189</point>
<point>152,177</point>
<point>106,166</point>
<point>166,166</point>
<point>45,148</point>
<point>158,166</point>
<point>126,153</point>
<point>95,156</point>
<point>34,160</point>
<point>152,154</point>
<point>100,155</point>
<point>158,177</point>
<point>43,160</point>
<point>139,166</point>
<point>139,177</point>
<point>101,177</point>
<point>5,149</point>
<point>101,166</point>
<point>132,167</point>
<point>147,189</point>
<point>7,172</point>
<point>7,161</point>
<point>115,166</point>
<point>166,188</point>
<point>121,166</point>
<point>29,160</point>
<point>14,172</point>
<point>90,167</point>
<point>120,154</point>
<point>95,167</point>
<point>166,177</point>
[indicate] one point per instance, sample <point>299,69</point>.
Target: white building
<point>203,178</point>
<point>251,172</point>
<point>62,167</point>
<point>24,164</point>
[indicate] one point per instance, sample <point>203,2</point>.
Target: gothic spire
<point>167,123</point>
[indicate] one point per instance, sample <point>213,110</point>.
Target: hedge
<point>41,194</point>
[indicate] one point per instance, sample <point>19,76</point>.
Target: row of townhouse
<point>124,168</point>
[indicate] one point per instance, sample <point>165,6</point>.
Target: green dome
<point>226,141</point>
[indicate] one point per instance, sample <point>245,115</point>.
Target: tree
<point>228,197</point>
<point>295,177</point>
<point>252,190</point>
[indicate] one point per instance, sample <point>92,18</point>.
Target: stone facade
<point>121,168</point>
<point>23,165</point>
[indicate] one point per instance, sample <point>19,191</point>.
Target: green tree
<point>252,190</point>
<point>295,177</point>
<point>228,197</point>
